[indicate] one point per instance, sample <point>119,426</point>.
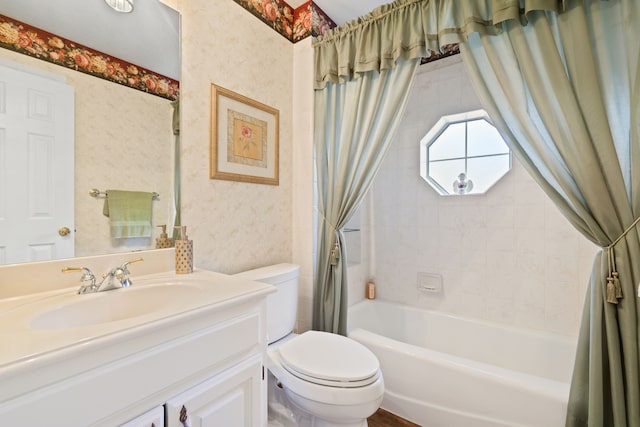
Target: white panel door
<point>36,167</point>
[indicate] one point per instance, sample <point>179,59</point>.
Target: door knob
<point>63,231</point>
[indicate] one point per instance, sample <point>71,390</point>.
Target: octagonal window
<point>463,154</point>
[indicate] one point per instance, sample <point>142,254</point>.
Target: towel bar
<point>94,192</point>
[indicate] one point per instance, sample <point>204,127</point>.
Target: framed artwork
<point>244,138</point>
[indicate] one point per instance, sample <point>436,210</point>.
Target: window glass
<point>449,144</point>
<point>441,172</point>
<point>490,168</point>
<point>463,154</point>
<point>483,139</point>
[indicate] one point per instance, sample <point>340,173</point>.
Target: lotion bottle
<point>184,252</point>
<point>370,290</point>
<point>163,241</point>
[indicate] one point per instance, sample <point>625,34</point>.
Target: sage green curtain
<point>355,100</point>
<point>563,90</point>
<point>560,81</point>
<point>375,42</point>
<point>407,29</point>
<point>356,115</point>
<point>355,123</point>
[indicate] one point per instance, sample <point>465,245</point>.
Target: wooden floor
<point>384,418</point>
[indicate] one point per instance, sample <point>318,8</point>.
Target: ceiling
<point>149,36</point>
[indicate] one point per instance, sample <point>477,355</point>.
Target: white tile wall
<point>507,256</point>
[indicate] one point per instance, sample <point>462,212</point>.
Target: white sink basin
<point>111,306</point>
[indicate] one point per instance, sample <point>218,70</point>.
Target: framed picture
<point>244,138</point>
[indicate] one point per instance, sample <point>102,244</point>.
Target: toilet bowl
<point>316,379</point>
<point>329,376</point>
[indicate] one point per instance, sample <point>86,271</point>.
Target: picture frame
<point>244,138</point>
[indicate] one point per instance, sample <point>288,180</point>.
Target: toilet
<point>316,379</point>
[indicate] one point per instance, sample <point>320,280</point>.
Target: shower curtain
<point>364,73</point>
<point>560,81</point>
<point>570,111</point>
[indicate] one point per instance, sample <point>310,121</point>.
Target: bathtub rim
<point>546,386</point>
<point>562,338</point>
<point>394,352</point>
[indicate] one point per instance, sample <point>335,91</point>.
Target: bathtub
<point>446,371</point>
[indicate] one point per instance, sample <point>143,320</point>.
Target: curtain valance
<point>410,29</point>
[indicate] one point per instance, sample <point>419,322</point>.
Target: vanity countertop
<point>33,343</point>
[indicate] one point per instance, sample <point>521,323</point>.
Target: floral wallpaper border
<point>295,25</point>
<point>23,38</point>
<point>447,50</point>
<point>309,20</point>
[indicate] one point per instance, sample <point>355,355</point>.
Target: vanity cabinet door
<point>232,398</point>
<point>153,418</point>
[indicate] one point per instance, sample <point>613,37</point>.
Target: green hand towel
<point>129,212</point>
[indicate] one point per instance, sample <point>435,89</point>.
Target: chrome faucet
<point>116,278</point>
<point>87,279</point>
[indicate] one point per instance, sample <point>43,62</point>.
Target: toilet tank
<point>282,306</point>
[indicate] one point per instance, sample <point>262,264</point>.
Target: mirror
<point>463,154</point>
<point>123,137</point>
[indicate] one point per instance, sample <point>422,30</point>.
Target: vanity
<point>170,350</point>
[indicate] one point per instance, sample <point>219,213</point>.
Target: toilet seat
<point>330,360</point>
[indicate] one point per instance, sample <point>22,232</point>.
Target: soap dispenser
<point>184,252</point>
<point>163,241</point>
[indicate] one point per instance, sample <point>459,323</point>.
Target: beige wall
<point>235,226</point>
<point>303,177</point>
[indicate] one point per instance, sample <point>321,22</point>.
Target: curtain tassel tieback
<point>335,255</point>
<point>614,289</point>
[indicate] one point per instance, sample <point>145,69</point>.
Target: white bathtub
<point>446,371</point>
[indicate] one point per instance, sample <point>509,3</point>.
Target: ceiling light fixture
<point>124,6</point>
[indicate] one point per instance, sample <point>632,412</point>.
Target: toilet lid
<point>329,359</point>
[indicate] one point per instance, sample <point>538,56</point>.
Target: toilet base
<point>284,412</point>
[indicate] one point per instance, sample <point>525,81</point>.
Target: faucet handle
<point>87,276</point>
<point>122,273</point>
<point>86,273</point>
<point>125,266</point>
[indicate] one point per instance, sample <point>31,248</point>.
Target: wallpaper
<point>235,226</point>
